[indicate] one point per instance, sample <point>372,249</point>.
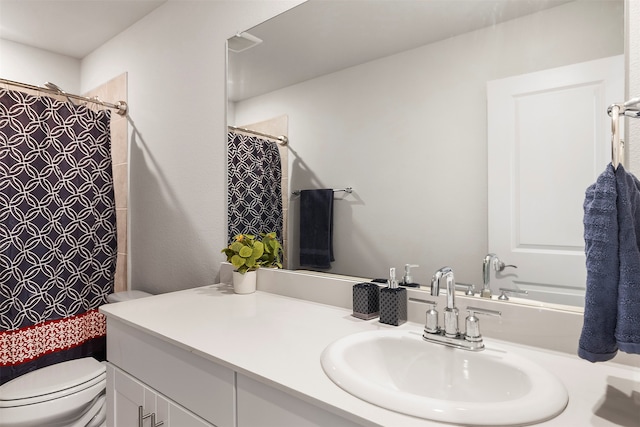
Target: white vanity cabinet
<point>260,405</point>
<point>181,388</point>
<point>133,404</point>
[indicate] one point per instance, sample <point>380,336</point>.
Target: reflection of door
<point>549,139</point>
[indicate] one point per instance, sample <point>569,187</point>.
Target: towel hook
<point>616,143</point>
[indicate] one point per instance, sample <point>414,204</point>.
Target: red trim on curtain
<point>29,343</point>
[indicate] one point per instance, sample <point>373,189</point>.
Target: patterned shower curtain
<point>57,231</point>
<point>254,186</point>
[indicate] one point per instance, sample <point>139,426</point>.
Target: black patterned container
<point>366,301</point>
<point>393,306</point>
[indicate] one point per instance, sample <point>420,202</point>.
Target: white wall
<point>176,64</point>
<point>632,16</point>
<point>35,66</point>
<point>408,133</point>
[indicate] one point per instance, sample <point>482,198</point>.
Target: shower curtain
<point>253,185</point>
<point>57,231</point>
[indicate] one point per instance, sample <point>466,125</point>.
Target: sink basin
<point>397,370</point>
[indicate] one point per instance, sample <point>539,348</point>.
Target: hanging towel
<point>597,341</point>
<point>316,228</point>
<point>612,299</point>
<point>628,323</point>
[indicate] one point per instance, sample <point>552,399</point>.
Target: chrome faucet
<point>451,312</point>
<point>450,336</point>
<point>491,260</point>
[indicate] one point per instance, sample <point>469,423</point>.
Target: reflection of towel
<point>316,228</point>
<point>612,299</point>
<point>597,342</point>
<point>628,324</point>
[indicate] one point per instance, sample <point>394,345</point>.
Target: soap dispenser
<point>393,302</point>
<point>366,301</point>
<point>407,279</point>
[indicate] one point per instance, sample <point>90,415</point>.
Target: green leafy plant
<point>248,253</point>
<point>244,252</point>
<point>272,251</point>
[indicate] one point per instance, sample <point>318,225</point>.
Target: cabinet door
<point>191,381</point>
<point>174,415</point>
<point>125,395</point>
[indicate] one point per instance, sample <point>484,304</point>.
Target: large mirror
<point>391,98</point>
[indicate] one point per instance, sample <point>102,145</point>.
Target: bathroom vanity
<point>207,356</point>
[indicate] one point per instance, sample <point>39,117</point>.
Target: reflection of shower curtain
<point>57,231</point>
<point>254,186</point>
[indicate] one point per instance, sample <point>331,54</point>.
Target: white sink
<point>397,370</point>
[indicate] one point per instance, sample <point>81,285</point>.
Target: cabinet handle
<point>142,417</point>
<point>153,421</point>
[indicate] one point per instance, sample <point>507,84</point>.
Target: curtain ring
<point>615,136</point>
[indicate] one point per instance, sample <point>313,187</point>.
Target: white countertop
<point>278,340</point>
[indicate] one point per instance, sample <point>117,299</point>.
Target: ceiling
<point>319,37</point>
<point>69,27</point>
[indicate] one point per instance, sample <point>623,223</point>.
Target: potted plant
<point>248,253</point>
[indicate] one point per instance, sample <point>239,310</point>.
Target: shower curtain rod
<point>121,106</point>
<point>282,140</point>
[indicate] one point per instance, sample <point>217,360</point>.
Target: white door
<point>548,140</point>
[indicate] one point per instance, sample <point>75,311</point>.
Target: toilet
<point>67,394</point>
<point>126,296</point>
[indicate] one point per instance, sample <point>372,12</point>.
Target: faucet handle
<point>472,331</point>
<point>476,310</point>
<point>431,324</point>
<point>468,288</point>
<point>408,278</point>
<point>503,296</point>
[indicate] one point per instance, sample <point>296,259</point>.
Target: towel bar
<point>335,190</point>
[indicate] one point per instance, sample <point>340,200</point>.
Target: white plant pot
<point>244,283</point>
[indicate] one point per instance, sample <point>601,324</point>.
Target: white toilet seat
<point>62,393</point>
<point>51,382</point>
<point>87,386</point>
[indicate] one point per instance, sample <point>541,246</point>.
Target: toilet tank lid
<point>52,378</point>
<point>126,296</point>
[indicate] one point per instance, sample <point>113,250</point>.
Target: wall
<point>113,91</point>
<point>27,64</point>
<point>370,127</point>
<point>175,59</point>
<point>632,21</point>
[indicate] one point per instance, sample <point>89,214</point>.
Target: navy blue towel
<point>597,341</point>
<point>316,228</point>
<point>612,299</point>
<point>628,324</point>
